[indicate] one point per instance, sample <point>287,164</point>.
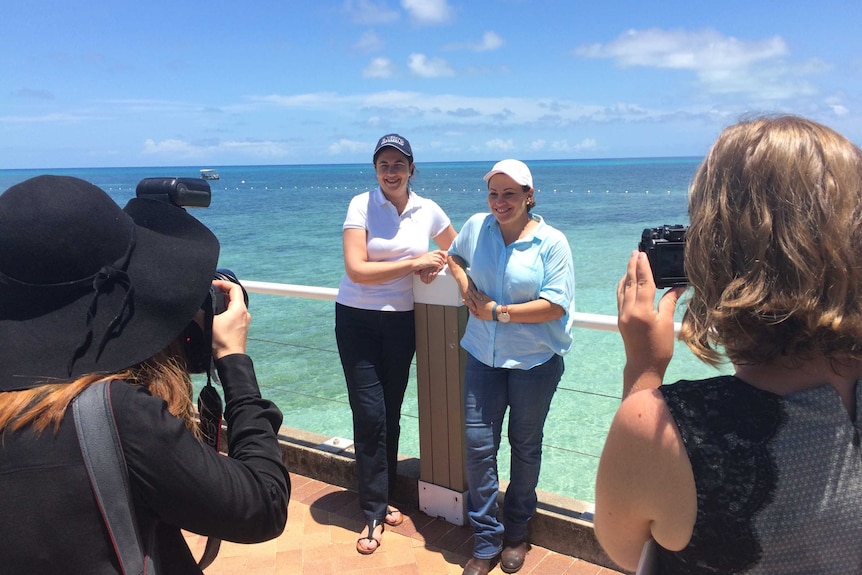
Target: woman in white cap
<point>93,293</point>
<point>386,236</point>
<point>516,276</point>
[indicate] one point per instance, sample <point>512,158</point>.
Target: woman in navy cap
<point>386,236</point>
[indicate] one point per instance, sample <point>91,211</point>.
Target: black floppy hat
<point>88,287</point>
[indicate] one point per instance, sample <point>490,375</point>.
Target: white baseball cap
<point>515,169</point>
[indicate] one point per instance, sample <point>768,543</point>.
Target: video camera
<point>195,193</point>
<point>665,248</point>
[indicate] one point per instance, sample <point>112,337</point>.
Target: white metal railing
<point>293,290</point>
<point>584,320</point>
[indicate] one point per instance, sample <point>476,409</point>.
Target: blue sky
<point>176,83</point>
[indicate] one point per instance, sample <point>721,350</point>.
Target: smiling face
<point>393,171</point>
<point>507,199</point>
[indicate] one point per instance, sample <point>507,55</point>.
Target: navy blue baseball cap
<point>400,143</point>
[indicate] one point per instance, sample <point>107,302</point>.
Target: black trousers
<point>376,349</point>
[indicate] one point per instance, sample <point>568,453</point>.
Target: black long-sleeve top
<point>49,521</point>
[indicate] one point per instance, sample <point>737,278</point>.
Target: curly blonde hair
<point>774,249</point>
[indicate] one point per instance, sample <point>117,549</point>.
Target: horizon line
<point>219,166</point>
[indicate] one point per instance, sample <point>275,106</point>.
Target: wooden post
<point>440,322</point>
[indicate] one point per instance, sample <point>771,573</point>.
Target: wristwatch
<point>503,314</point>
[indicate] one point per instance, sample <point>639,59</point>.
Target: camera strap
<point>210,411</point>
<point>109,477</point>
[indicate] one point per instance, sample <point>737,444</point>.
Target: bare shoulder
<point>645,485</point>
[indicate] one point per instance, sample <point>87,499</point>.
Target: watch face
<point>503,317</point>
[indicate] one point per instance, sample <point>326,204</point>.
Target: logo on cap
<point>397,140</point>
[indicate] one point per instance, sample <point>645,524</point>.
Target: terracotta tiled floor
<point>320,538</point>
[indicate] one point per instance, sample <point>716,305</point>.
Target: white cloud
<point>448,109</point>
<point>837,106</point>
<point>179,147</point>
<point>421,65</point>
<point>379,68</point>
<point>500,145</point>
<point>369,42</point>
<point>490,41</point>
<point>564,146</point>
<point>344,145</point>
<point>182,149</point>
<point>54,117</point>
<point>558,146</point>
<point>587,144</point>
<point>427,11</point>
<point>723,64</point>
<point>370,12</point>
<point>680,49</point>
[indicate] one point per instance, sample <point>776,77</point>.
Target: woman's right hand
<point>648,333</point>
<point>230,328</point>
<point>435,259</point>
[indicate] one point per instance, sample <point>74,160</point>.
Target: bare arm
<point>445,238</point>
<point>644,487</point>
<point>536,311</point>
<point>647,332</point>
<point>362,271</point>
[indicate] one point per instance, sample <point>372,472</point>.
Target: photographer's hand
<point>648,333</point>
<point>230,328</point>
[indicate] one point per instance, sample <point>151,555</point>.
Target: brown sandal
<point>372,525</point>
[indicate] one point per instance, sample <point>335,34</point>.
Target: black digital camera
<point>665,248</point>
<point>195,193</point>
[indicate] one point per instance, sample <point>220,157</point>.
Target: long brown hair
<point>774,249</point>
<point>164,375</point>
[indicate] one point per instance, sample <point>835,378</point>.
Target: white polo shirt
<point>390,237</point>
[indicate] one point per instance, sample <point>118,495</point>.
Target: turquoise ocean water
<point>283,224</point>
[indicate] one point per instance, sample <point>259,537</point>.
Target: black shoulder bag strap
<point>210,411</point>
<point>106,466</point>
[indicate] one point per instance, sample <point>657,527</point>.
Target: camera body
<point>183,193</point>
<point>665,248</point>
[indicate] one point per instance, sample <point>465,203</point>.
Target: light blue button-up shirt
<point>537,266</point>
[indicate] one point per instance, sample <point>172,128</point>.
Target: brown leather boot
<point>513,555</point>
<point>477,566</point>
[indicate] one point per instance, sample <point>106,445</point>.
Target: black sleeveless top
<point>778,479</point>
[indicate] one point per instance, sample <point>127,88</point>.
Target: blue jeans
<point>488,392</point>
<point>376,349</point>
